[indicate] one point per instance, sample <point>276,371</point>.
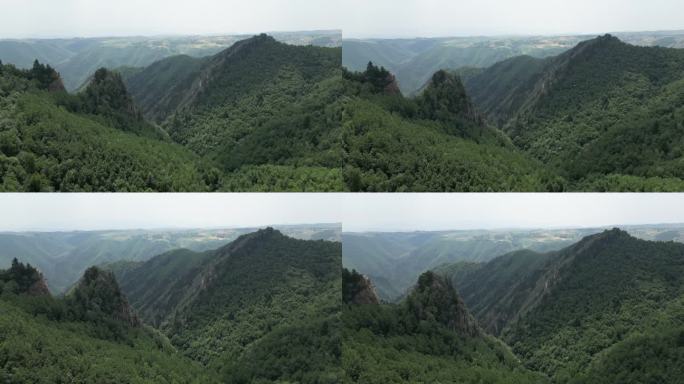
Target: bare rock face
<point>435,299</point>
<point>358,289</point>
<point>39,287</point>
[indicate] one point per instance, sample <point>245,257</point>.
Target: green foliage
<point>80,338</point>
<point>48,148</point>
<point>606,115</point>
<point>595,295</point>
<point>399,343</point>
<point>263,297</point>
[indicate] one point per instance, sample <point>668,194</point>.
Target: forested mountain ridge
<point>49,141</point>
<point>260,109</point>
<point>429,337</point>
<point>260,115</point>
<point>414,60</point>
<point>64,256</point>
<point>434,142</point>
<point>573,313</point>
<point>77,58</point>
<point>605,113</point>
<point>231,308</point>
<point>88,336</point>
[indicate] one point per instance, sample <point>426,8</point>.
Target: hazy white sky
<point>357,18</point>
<point>408,212</point>
<point>356,212</point>
<point>87,211</point>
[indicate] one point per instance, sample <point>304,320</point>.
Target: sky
<point>96,211</point>
<point>356,212</point>
<point>357,18</point>
<point>434,211</point>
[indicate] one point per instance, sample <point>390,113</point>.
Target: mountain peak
<point>444,98</point>
<point>23,278</point>
<point>98,291</point>
<point>435,299</point>
<point>357,288</point>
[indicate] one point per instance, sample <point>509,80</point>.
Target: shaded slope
<point>46,147</point>
<point>225,307</point>
<point>390,146</point>
<point>605,113</point>
<point>571,313</point>
<point>430,337</point>
<point>267,112</point>
<point>86,337</point>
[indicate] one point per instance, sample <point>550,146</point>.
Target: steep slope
<point>357,289</point>
<point>430,337</point>
<point>573,313</point>
<point>605,113</point>
<point>262,292</point>
<point>395,260</point>
<point>395,144</point>
<point>47,145</point>
<point>89,336</point>
<point>414,60</point>
<point>105,97</point>
<point>260,109</point>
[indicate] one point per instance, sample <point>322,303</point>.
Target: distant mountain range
<point>394,260</point>
<point>77,58</point>
<point>414,60</point>
<point>62,257</point>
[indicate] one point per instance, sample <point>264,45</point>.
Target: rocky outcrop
<point>445,99</point>
<point>98,292</point>
<point>357,289</point>
<point>435,299</point>
<point>23,279</point>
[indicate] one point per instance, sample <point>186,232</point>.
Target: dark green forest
<point>263,309</point>
<point>88,336</point>
<point>607,309</point>
<point>261,115</point>
<point>428,338</point>
<point>603,116</point>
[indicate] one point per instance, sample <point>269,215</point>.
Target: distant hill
<point>77,58</point>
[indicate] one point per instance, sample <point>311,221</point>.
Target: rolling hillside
<point>433,142</point>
